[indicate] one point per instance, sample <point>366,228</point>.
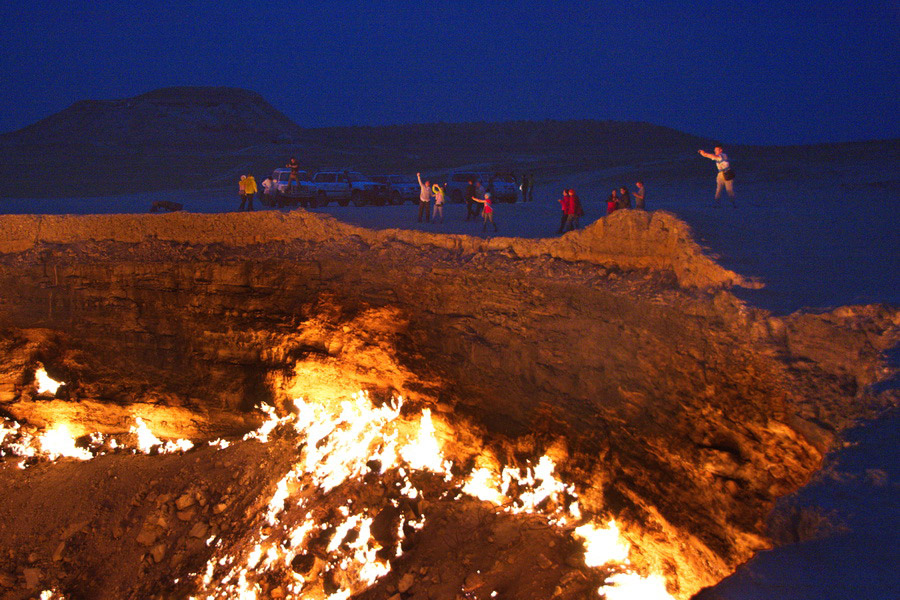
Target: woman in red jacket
<point>613,203</point>
<point>568,210</point>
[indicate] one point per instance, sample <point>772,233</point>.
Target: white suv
<point>346,187</point>
<point>283,194</point>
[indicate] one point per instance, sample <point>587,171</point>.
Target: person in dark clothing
<point>294,166</point>
<point>625,198</point>
<point>577,207</point>
<point>471,191</point>
<point>567,207</point>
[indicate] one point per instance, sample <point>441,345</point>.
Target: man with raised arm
<point>725,176</point>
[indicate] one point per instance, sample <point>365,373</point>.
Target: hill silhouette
<point>200,137</point>
<point>206,137</point>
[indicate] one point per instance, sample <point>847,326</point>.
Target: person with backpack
<point>725,174</point>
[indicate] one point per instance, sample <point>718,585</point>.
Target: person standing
<point>530,186</point>
<point>725,175</point>
<point>294,166</point>
<point>612,205</point>
<point>424,199</point>
<point>250,191</point>
<point>564,217</point>
<point>639,196</point>
<point>438,203</point>
<point>471,192</point>
<point>568,212</point>
<point>625,198</point>
<point>488,211</point>
<point>577,207</point>
<point>243,192</point>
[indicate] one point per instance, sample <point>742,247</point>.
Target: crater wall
<point>684,413</point>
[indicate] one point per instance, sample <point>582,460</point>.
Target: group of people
<point>247,190</point>
<point>622,198</point>
<point>572,209</point>
<point>474,189</point>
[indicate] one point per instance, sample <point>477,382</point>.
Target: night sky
<point>741,72</point>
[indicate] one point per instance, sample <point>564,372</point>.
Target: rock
<point>405,583</point>
<point>184,501</point>
<point>186,515</point>
<point>219,508</point>
<point>7,580</point>
<point>147,535</point>
<point>473,582</point>
<point>277,592</point>
<point>199,529</point>
<point>32,578</point>
<point>57,554</point>
<point>544,562</point>
<point>158,552</point>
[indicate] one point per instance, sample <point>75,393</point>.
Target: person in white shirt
<point>725,177</point>
<point>424,199</point>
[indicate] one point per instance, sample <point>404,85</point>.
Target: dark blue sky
<point>743,72</point>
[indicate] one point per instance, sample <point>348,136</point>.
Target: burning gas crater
<point>319,537</point>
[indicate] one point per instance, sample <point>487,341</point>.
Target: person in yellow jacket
<point>248,191</point>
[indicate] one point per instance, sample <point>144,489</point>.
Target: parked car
<point>283,194</point>
<point>400,188</point>
<point>503,187</point>
<point>348,186</point>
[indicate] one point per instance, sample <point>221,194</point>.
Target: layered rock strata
<point>683,412</point>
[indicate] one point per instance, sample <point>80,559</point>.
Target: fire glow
<point>344,442</point>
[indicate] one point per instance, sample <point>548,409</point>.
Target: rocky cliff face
<point>679,411</point>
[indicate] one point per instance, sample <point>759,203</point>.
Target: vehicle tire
<point>343,201</point>
<point>396,198</point>
<point>457,197</point>
<point>357,198</point>
<point>321,198</point>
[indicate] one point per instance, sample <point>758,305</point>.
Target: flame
<point>602,546</point>
<point>344,441</point>
<point>45,383</point>
<point>58,442</point>
<point>631,586</point>
<point>147,441</point>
